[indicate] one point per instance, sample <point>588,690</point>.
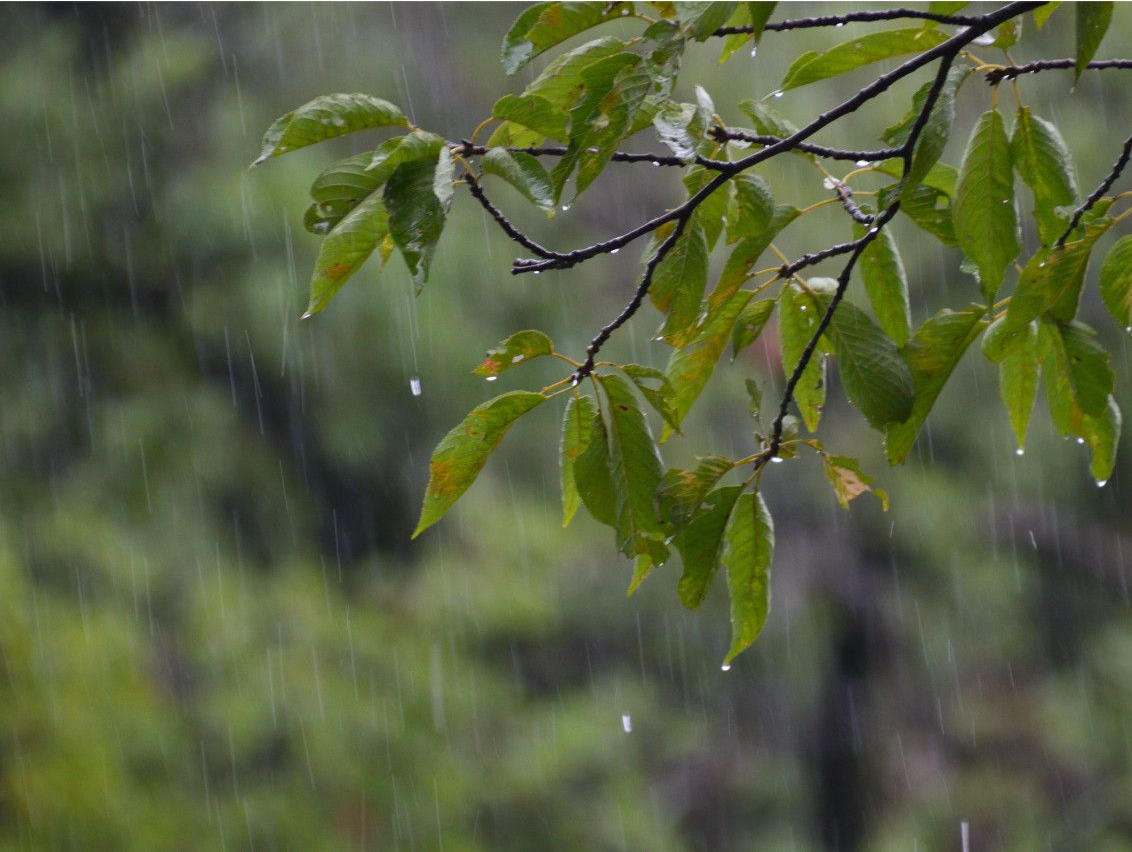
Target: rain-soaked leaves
<point>344,250</point>
<point>459,458</point>
<point>519,347</point>
<point>1116,281</point>
<point>700,542</point>
<point>577,433</point>
<point>748,549</point>
<point>544,25</point>
<point>852,54</point>
<point>1042,159</point>
<point>849,481</point>
<point>416,215</point>
<point>1093,20</point>
<point>326,117</point>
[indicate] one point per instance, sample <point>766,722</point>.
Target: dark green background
<point>214,632</point>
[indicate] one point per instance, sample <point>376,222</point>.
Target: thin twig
<point>510,230</point>
<point>726,133</point>
<point>845,195</point>
<point>852,18</point>
<point>1009,72</point>
<point>467,149</point>
<point>1099,192</point>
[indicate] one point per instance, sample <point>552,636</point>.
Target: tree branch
<point>723,134</point>
<point>510,230</point>
<point>1099,192</point>
<point>1009,72</point>
<point>852,18</point>
<point>467,149</point>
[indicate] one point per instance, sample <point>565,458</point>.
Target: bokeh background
<point>215,633</point>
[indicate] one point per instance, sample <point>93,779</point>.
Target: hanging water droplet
<point>862,163</point>
<point>776,460</point>
<point>1080,440</point>
<point>492,378</point>
<point>754,52</point>
<point>828,183</point>
<point>726,667</point>
<point>778,94</point>
<point>565,207</point>
<point>627,723</point>
<point>1019,452</point>
<point>614,251</point>
<point>537,271</point>
<point>839,25</point>
<point>574,382</point>
<point>1101,483</point>
<point>1128,329</point>
<point>656,163</point>
<point>415,386</point>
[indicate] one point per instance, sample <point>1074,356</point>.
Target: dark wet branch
<point>845,196</point>
<point>724,134</point>
<point>510,230</point>
<point>467,149</point>
<point>1009,72</point>
<point>950,48</point>
<point>857,247</point>
<point>853,18</point>
<point>1098,193</point>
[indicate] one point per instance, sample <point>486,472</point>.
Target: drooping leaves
<point>1042,13</point>
<point>1042,159</point>
<point>886,284</point>
<point>416,215</point>
<point>855,53</point>
<point>1052,280</point>
<point>1092,24</point>
<point>1018,379</point>
<point>458,459</point>
<point>577,432</point>
<point>797,322</point>
<point>700,20</point>
<point>344,250</point>
<point>932,354</point>
<point>636,472</point>
<point>934,135</point>
<point>544,25</point>
<point>983,210</point>
<point>748,550</point>
<point>752,207</point>
<point>1116,281</point>
<point>523,172</point>
<point>681,492</point>
<point>325,118</point>
<point>679,281</point>
<point>750,324</point>
<point>656,389</point>
<point>535,112</point>
<point>594,477</point>
<point>516,349</point>
<point>690,368</point>
<point>700,542</point>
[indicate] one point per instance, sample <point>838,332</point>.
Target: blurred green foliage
<point>213,631</point>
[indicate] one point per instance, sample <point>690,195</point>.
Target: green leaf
<point>681,492</point>
<point>325,118</point>
<point>1090,374</point>
<point>1018,380</point>
<point>458,459</point>
<point>760,14</point>
<point>932,354</point>
<point>712,211</point>
<point>416,215</point>
<point>940,176</point>
<point>612,93</point>
<point>886,284</point>
<point>675,125</point>
<point>418,145</point>
<point>577,433</point>
<point>690,368</point>
<point>1092,24</point>
<point>770,122</point>
<point>752,207</point>
<point>700,20</point>
<point>933,138</point>
<point>983,210</point>
<point>750,324</point>
<point>523,172</point>
<point>636,472</point>
<point>849,481</point>
<point>796,326</point>
<point>877,380</point>
<point>741,262</point>
<point>1116,281</point>
<point>535,112</point>
<point>1042,13</point>
<point>748,549</point>
<point>344,250</point>
<point>349,180</point>
<point>1052,280</point>
<point>544,25</point>
<point>594,478</point>
<point>855,53</point>
<point>444,177</point>
<point>930,209</point>
<point>656,389</point>
<point>679,281</point>
<point>516,349</point>
<point>700,542</point>
<point>1066,376</point>
<point>1007,33</point>
<point>1000,340</point>
<point>1042,159</point>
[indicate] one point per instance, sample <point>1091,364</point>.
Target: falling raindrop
<point>415,385</point>
<point>627,723</point>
